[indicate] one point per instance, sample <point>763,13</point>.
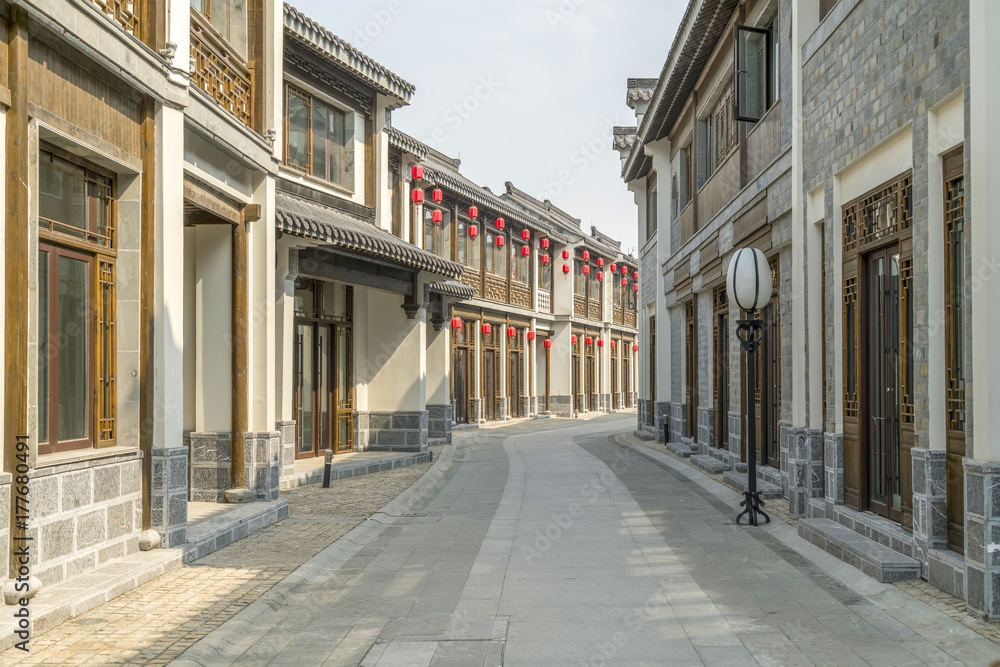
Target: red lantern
<point>600,275</point>
<point>501,223</point>
<point>531,335</point>
<point>548,344</point>
<point>437,216</point>
<point>487,329</point>
<point>572,339</point>
<point>545,243</point>
<point>635,348</point>
<point>614,268</point>
<point>437,195</point>
<point>418,172</point>
<point>600,261</point>
<point>586,269</point>
<point>545,259</point>
<point>565,268</point>
<point>624,282</point>
<point>525,234</point>
<point>565,254</point>
<point>473,231</point>
<point>456,323</point>
<point>473,212</point>
<point>511,332</point>
<point>624,270</point>
<point>586,255</point>
<point>525,250</point>
<point>600,342</point>
<point>588,341</point>
<point>612,345</point>
<point>635,287</point>
<point>499,241</point>
<point>635,275</point>
<point>418,196</point>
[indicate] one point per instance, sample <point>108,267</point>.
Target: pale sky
<point>523,91</point>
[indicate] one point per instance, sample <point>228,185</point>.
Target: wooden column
<point>371,162</point>
<point>16,260</point>
<point>147,293</point>
<point>239,361</point>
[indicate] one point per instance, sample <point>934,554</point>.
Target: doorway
<point>721,355</point>
<point>463,393</point>
<point>491,374</point>
<point>324,388</point>
<point>590,378</point>
<point>515,374</point>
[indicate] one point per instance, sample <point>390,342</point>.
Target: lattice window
<point>879,214</point>
<point>123,12</point>
<point>906,404</point>
<point>851,347</point>
<point>220,73</point>
<point>724,126</point>
<point>955,302</point>
<point>544,301</point>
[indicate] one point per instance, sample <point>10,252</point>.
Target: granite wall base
<point>211,466</point>
<point>169,495</point>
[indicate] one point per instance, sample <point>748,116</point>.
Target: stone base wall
<point>211,466</point>
<point>678,418</point>
<point>706,428</point>
<point>804,468</point>
<point>833,467</point>
<point>784,433</point>
<point>642,410</point>
<point>561,406</point>
<point>287,431</point>
<point>396,431</point>
<point>604,402</point>
<point>477,411</point>
<point>5,481</point>
<point>504,412</point>
<point>930,503</point>
<point>982,529</point>
<point>533,404</point>
<point>439,422</point>
<point>262,472</point>
<point>735,443</point>
<point>169,495</point>
<point>84,514</point>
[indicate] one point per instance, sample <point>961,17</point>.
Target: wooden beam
<point>239,360</point>
<point>355,276</point>
<point>370,163</point>
<point>207,200</point>
<point>16,260</point>
<point>147,255</point>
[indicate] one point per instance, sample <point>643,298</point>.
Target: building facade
<point>867,413</point>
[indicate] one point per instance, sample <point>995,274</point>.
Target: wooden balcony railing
<point>618,315</point>
<point>594,309</point>
<point>125,13</point>
<point>630,318</point>
<point>520,295</point>
<point>496,288</point>
<point>579,305</point>
<point>473,279</point>
<point>219,71</point>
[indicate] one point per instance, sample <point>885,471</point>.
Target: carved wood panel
<point>520,295</point>
<point>496,288</point>
<point>220,72</point>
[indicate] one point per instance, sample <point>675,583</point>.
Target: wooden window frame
<point>310,168</point>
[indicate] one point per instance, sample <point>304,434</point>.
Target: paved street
<point>565,543</point>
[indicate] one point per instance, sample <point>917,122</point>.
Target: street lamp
<point>749,286</point>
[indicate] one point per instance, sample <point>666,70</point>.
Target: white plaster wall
<point>396,362</point>
<point>815,212</point>
<point>362,368</point>
<point>213,310</point>
<point>260,312</point>
<point>284,339</point>
<point>562,283</point>
<point>561,382</point>
<point>3,250</point>
<point>438,366</point>
<point>190,330</point>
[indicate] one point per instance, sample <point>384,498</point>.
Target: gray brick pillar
<point>982,534</point>
<point>168,495</point>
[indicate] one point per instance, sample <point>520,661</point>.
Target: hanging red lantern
<point>614,268</point>
<point>635,348</point>
<point>473,212</point>
<point>635,275</point>
<point>487,329</point>
<point>548,344</point>
<point>525,234</point>
<point>586,269</point>
<point>545,259</point>
<point>624,270</point>
<point>586,255</point>
<point>456,323</point>
<point>635,287</point>
<point>531,335</point>
<point>612,345</point>
<point>565,268</point>
<point>499,241</point>
<point>600,342</point>
<point>501,223</point>
<point>511,332</point>
<point>437,216</point>
<point>545,243</point>
<point>473,231</point>
<point>565,254</point>
<point>600,261</point>
<point>525,250</point>
<point>437,195</point>
<point>418,196</point>
<point>572,339</point>
<point>624,282</point>
<point>600,275</point>
<point>588,340</point>
<point>418,172</point>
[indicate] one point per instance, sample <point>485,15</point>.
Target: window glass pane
<point>43,346</point>
<point>335,130</point>
<point>319,147</point>
<point>298,130</point>
<point>62,195</point>
<point>751,73</point>
<point>545,271</point>
<point>490,259</point>
<point>305,298</point>
<point>461,247</point>
<point>474,253</point>
<point>501,262</point>
<point>74,348</point>
<point>851,347</point>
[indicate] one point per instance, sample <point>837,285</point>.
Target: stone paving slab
<point>874,559</point>
<point>350,465</point>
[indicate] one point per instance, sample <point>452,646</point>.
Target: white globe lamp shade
<point>748,283</point>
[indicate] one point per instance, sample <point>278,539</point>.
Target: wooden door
<point>461,383</point>
<point>722,380</point>
<point>491,393</point>
<point>691,372</point>
<point>769,377</point>
<point>515,385</point>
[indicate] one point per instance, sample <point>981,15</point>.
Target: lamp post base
<point>753,505</point>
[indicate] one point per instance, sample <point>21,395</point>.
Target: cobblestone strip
<point>918,588</point>
<point>157,621</point>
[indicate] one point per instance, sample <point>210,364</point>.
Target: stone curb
<point>354,469</point>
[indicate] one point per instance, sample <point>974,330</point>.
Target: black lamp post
<point>749,286</point>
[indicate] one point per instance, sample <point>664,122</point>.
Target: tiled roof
<point>405,142</point>
<point>339,229</point>
<point>452,288</point>
<point>481,196</point>
<point>640,90</point>
<point>346,56</point>
<point>624,138</point>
